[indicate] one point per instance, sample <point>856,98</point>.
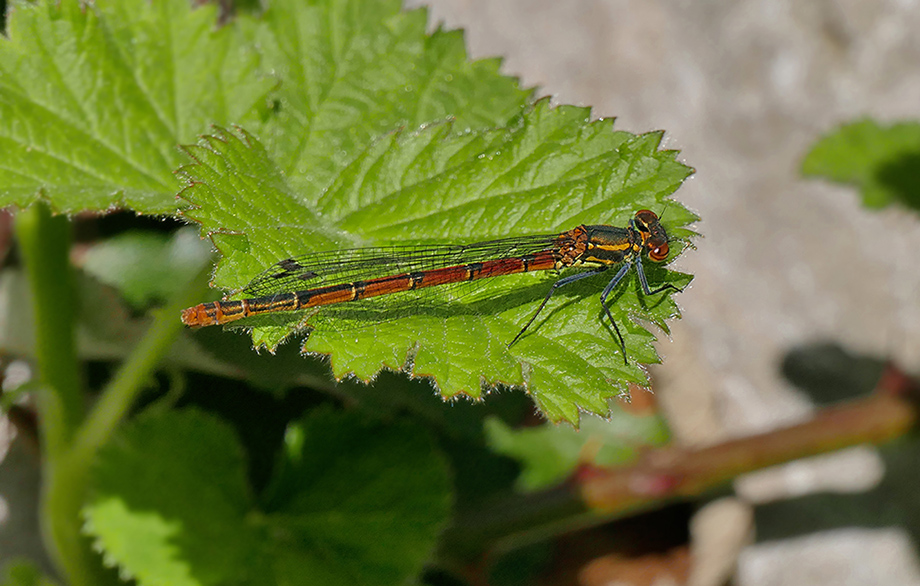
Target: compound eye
<point>658,252</point>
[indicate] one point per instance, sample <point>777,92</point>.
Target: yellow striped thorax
<point>608,245</point>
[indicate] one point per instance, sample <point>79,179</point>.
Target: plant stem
<point>676,472</point>
<point>71,440</point>
<point>44,242</point>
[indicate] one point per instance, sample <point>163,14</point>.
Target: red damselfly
<point>327,278</point>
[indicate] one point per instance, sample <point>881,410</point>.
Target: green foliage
<point>94,99</point>
<point>550,453</point>
<point>883,161</point>
<point>350,125</point>
<point>352,503</point>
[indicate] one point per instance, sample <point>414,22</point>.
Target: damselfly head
<point>654,237</point>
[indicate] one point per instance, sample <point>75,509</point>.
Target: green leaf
<point>355,70</point>
<point>95,97</point>
<point>147,267</point>
<point>354,503</point>
<point>551,171</point>
<point>364,502</point>
<point>176,520</point>
<point>550,453</point>
<point>883,161</point>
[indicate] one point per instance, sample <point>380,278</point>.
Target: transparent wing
<point>359,264</point>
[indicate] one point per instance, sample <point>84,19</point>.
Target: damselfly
<point>333,277</point>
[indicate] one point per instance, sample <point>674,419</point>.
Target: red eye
<point>658,253</point>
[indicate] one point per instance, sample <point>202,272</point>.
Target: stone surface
<point>719,531</point>
<point>844,557</point>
